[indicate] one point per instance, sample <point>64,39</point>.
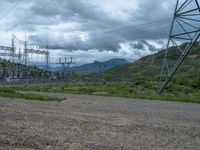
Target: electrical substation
<point>29,63</point>
<point>185,28</point>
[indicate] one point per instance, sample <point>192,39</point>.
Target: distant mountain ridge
<point>95,67</point>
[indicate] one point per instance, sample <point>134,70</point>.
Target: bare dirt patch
<point>98,123</point>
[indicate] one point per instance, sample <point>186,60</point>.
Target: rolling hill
<point>151,65</point>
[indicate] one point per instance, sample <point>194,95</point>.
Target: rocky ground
<point>98,123</point>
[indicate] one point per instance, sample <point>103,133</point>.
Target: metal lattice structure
<point>14,55</point>
<point>38,52</point>
<point>65,62</point>
<point>185,29</point>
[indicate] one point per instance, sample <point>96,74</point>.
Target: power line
<point>136,35</point>
<point>133,26</point>
<point>9,10</point>
<point>27,17</point>
<point>139,25</point>
<point>121,30</point>
<point>20,41</point>
<point>118,30</point>
<point>140,35</point>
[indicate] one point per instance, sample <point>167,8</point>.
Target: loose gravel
<point>98,123</point>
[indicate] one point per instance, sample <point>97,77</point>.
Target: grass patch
<point>144,91</point>
<point>11,93</point>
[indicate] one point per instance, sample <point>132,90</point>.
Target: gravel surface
<point>98,123</point>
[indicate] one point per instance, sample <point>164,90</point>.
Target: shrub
<point>7,90</point>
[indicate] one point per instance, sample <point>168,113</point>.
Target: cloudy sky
<point>89,30</point>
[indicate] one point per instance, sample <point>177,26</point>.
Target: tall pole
<point>64,63</point>
<point>26,57</point>
<point>185,29</point>
<point>13,70</point>
<point>25,52</point>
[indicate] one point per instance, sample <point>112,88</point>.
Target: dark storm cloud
<point>141,45</point>
<point>105,32</point>
<point>151,47</point>
<point>138,45</point>
<point>71,10</point>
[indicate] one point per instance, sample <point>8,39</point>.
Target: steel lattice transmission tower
<point>185,29</point>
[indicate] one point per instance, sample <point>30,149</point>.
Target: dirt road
<point>98,123</point>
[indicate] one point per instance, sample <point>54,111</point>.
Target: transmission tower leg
<point>185,29</point>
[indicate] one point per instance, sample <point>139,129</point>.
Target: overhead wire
<point>29,16</point>
<point>108,37</point>
<point>122,29</point>
<point>131,37</point>
<point>9,10</point>
<point>142,35</point>
<point>104,38</point>
<point>136,34</point>
<point>118,30</point>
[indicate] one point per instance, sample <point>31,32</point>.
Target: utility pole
<point>101,75</point>
<point>47,61</point>
<point>65,61</point>
<point>47,57</point>
<point>13,48</point>
<point>185,28</point>
<point>25,52</point>
<point>26,58</point>
<point>13,70</point>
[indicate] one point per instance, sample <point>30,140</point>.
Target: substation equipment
<point>15,62</point>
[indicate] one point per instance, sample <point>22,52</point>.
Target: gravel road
<point>98,123</point>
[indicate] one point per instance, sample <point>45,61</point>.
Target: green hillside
<point>151,65</point>
<point>138,80</point>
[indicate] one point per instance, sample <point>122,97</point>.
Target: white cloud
<point>118,9</point>
<point>126,52</point>
<point>79,27</point>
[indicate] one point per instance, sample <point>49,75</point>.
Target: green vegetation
<point>181,90</point>
<point>140,79</point>
<point>28,70</point>
<point>11,93</point>
<point>150,66</point>
<point>136,80</point>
